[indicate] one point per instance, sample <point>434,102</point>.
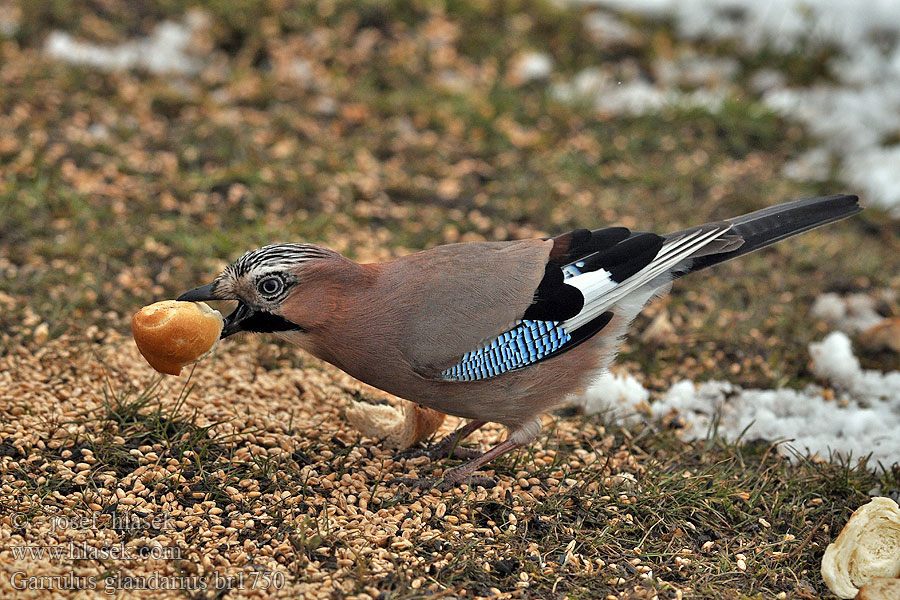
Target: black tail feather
<point>769,225</point>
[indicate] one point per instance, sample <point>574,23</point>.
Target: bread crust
<point>400,428</point>
<point>172,333</point>
<point>868,547</point>
<point>880,588</point>
<point>420,423</point>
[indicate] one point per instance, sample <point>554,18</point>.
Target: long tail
<point>769,225</point>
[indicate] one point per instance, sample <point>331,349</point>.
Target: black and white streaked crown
<point>274,256</point>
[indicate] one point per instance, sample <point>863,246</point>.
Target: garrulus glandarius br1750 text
<point>489,331</point>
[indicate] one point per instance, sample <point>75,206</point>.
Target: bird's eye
<point>270,286</point>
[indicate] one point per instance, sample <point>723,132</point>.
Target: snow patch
<point>631,97</point>
<point>875,172</point>
<point>163,51</point>
<point>812,165</point>
<point>697,70</point>
<point>862,420</point>
<point>609,30</point>
<point>623,395</point>
<point>850,313</point>
<point>834,361</point>
<point>531,66</point>
<point>857,117</point>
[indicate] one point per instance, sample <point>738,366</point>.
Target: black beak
<point>242,318</point>
<point>235,319</point>
<point>199,294</point>
<point>232,321</point>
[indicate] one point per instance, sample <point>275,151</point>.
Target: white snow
<point>862,419</point>
<point>851,313</point>
<point>783,24</point>
<point>696,70</point>
<point>812,165</point>
<point>833,360</point>
<point>764,80</point>
<point>608,30</point>
<point>857,116</point>
<point>875,172</point>
<point>652,8</point>
<point>163,51</point>
<point>531,66</point>
<point>630,97</point>
<point>622,395</point>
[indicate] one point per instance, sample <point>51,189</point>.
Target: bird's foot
<point>447,447</point>
<point>466,472</point>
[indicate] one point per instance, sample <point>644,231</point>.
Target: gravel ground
<point>378,129</point>
<point>266,482</point>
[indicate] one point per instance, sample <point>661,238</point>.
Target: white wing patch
<point>601,292</point>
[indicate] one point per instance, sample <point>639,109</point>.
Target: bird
<point>498,332</point>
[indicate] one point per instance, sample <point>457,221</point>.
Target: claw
<point>447,447</point>
<point>441,450</point>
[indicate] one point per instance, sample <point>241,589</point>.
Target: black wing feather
<point>614,249</point>
<point>627,257</point>
<point>553,299</point>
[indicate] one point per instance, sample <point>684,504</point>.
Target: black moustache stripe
<point>266,322</point>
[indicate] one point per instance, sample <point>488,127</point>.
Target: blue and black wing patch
<point>527,343</point>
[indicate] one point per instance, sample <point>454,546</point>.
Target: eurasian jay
<point>488,331</point>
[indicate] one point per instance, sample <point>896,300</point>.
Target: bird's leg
<point>449,445</point>
<point>463,472</point>
<point>517,438</point>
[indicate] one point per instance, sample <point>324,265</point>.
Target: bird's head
<point>262,281</point>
